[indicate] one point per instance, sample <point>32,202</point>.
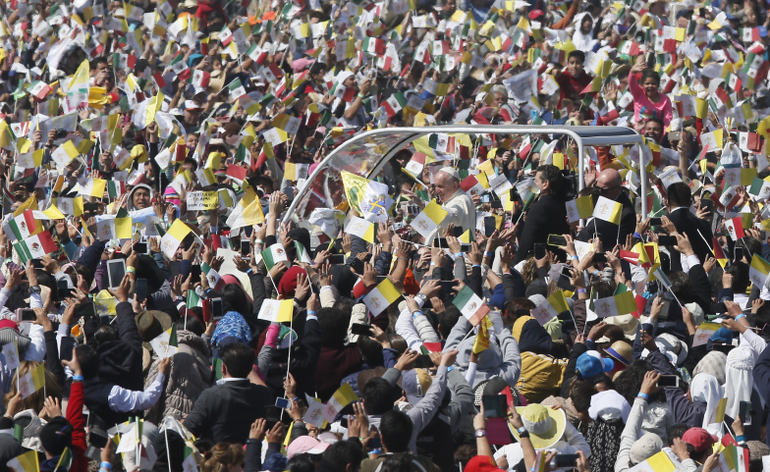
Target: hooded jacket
<point>502,358</point>
<point>130,204</point>
<point>190,375</point>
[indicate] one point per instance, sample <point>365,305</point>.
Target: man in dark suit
<point>548,215</point>
<point>678,203</point>
<point>610,184</point>
<point>224,413</point>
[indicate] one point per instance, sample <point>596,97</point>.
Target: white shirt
<point>124,400</point>
<point>462,211</point>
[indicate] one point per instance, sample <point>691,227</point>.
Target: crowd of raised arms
<point>207,265</point>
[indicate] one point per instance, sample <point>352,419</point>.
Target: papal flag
<point>276,311</point>
<point>381,297</point>
<point>550,308</point>
<point>428,219</point>
<point>608,210</point>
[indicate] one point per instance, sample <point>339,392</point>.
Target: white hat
<point>451,171</point>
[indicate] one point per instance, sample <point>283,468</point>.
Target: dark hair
<point>334,326</point>
<point>752,244</point>
<point>103,334</point>
<point>464,454</point>
<point>603,289</point>
<point>650,74</point>
<point>342,453</point>
<point>447,320</point>
<point>300,463</point>
<point>236,298</point>
<point>552,175</point>
<point>318,67</point>
<point>681,285</point>
<point>581,392</point>
<point>740,272</point>
<point>658,121</point>
<point>630,380</point>
<point>371,351</point>
<point>399,463</point>
<point>88,359</point>
<point>396,430</point>
<point>678,195</point>
<point>192,162</point>
<point>238,358</point>
<point>99,60</point>
<point>378,396</point>
<point>578,54</point>
<point>516,308</point>
<point>193,325</point>
<point>676,431</point>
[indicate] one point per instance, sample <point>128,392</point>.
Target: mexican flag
<point>216,282</point>
<point>470,305</point>
<point>273,255</point>
<point>35,247</point>
<point>302,254</point>
<point>23,226</point>
<point>201,79</point>
<point>394,104</point>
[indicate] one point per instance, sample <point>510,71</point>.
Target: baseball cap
<point>191,105</point>
<point>699,438</point>
<point>591,364</point>
<point>305,445</point>
<point>482,464</point>
<point>535,14</point>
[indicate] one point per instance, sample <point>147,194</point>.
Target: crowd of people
<point>192,282</point>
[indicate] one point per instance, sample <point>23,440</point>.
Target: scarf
<point>232,325</point>
<point>603,437</point>
<point>706,389</point>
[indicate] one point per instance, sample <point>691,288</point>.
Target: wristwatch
<point>523,433</point>
<point>480,433</point>
<point>422,297</point>
<point>34,289</point>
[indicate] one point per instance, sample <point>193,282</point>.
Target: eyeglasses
<point>605,191</point>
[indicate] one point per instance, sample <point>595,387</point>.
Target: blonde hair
<point>37,399</point>
<point>221,456</point>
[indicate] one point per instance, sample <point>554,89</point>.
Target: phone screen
<point>666,241</point>
<point>141,289</point>
<point>745,413</point>
<point>37,263</point>
<point>495,406</point>
<point>336,259</point>
<point>27,314</point>
<point>116,270</point>
<point>62,290</point>
<point>655,222</point>
<point>65,350</point>
<point>668,381</point>
<point>598,257</point>
<point>540,251</point>
<point>567,461</point>
<point>423,362</point>
<point>98,438</point>
<point>738,251</point>
<point>557,240</point>
<point>142,248</point>
<point>440,242</point>
<point>245,248</point>
<point>283,403</point>
<point>361,329</point>
<point>490,225</point>
<point>216,308</point>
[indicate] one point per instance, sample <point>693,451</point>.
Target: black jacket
<point>609,231</point>
<point>120,361</point>
<point>548,215</point>
<point>689,224</point>
<point>224,413</point>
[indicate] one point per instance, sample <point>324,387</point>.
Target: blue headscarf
<point>232,325</point>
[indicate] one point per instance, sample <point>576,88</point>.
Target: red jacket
<point>78,422</point>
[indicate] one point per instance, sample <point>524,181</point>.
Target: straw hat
<point>629,323</point>
<point>216,81</point>
<point>545,425</point>
<point>621,351</point>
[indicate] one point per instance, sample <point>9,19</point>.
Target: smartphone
<point>357,265</point>
<point>216,309</point>
<point>98,437</point>
<point>744,413</point>
<point>668,381</point>
<point>667,299</point>
<point>446,285</point>
<point>565,272</point>
<point>540,251</point>
<point>85,310</point>
<point>116,270</point>
<point>557,240</point>
<point>62,290</point>
<point>283,403</point>
<point>567,461</point>
<point>738,252</point>
<point>65,350</point>
<point>37,264</point>
<point>423,362</point>
<point>375,443</point>
<point>655,222</point>
<point>245,248</point>
<point>490,225</point>
<point>336,259</point>
<point>141,290</point>
<point>26,314</point>
<point>440,242</point>
<point>142,248</point>
<point>666,241</point>
<point>361,329</point>
<point>495,406</point>
<point>707,204</point>
<point>600,257</point>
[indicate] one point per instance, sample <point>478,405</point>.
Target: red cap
<point>482,464</point>
<point>699,438</point>
<point>535,14</point>
<point>9,324</point>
